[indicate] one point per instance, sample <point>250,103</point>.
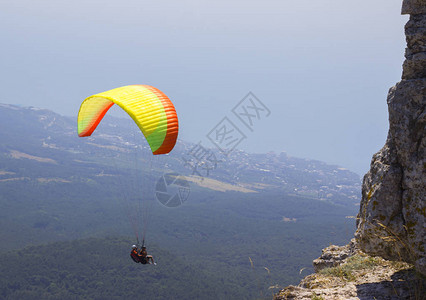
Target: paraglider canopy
<point>151,109</point>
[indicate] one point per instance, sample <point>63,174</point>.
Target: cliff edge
<point>346,272</point>
<point>392,219</point>
<point>387,258</point>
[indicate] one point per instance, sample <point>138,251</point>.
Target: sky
<point>322,68</point>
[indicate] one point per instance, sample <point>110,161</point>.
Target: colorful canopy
<point>151,110</point>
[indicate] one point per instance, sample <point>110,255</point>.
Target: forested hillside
<point>276,215</point>
<point>101,269</point>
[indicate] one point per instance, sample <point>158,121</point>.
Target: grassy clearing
<point>359,264</point>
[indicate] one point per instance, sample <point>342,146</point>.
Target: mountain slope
<point>101,269</point>
<point>41,136</point>
<point>55,186</point>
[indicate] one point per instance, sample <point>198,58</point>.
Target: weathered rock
<point>370,278</point>
<point>392,218</point>
<point>380,224</point>
<point>415,32</point>
<point>333,256</point>
<point>415,67</point>
<point>411,7</point>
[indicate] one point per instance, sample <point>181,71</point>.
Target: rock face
<point>347,273</point>
<point>333,256</point>
<point>392,218</point>
<point>413,7</point>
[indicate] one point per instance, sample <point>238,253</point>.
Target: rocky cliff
<point>387,258</point>
<point>392,217</point>
<point>348,273</point>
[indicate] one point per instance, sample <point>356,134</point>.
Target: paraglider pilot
<point>141,256</point>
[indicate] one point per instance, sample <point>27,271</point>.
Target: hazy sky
<point>322,67</point>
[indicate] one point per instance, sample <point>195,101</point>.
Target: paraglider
<point>153,113</point>
<point>141,256</point>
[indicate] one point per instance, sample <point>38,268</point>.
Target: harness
<point>143,260</point>
<point>134,255</point>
